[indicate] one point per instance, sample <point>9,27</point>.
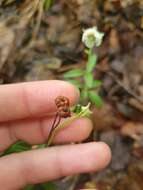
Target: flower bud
<point>92,37</point>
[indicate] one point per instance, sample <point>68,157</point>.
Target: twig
<point>125,88</point>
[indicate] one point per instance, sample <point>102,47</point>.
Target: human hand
<point>27,112</point>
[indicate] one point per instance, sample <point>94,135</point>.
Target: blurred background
<point>41,40</point>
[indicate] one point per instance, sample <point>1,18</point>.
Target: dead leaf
<point>6,43</point>
<point>136,104</point>
<point>133,130</point>
<point>105,118</point>
<point>114,41</point>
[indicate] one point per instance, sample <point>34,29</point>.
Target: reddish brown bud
<point>63,104</point>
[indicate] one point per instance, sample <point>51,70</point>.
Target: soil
<point>38,44</point>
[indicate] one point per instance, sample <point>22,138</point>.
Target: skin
<point>27,112</point>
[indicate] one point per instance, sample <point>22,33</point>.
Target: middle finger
<point>36,131</point>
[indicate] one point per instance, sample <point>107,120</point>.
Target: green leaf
<point>49,186</point>
<point>95,99</point>
<point>96,83</point>
<point>85,112</point>
<point>76,83</point>
<point>77,108</point>
<point>20,146</point>
<point>74,73</point>
<point>92,60</point>
<point>84,94</point>
<point>89,79</point>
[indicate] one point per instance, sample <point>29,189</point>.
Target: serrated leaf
<point>92,60</point>
<point>74,73</point>
<point>88,79</point>
<point>95,99</point>
<point>76,83</point>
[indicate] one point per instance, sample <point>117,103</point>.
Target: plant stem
<point>88,59</point>
<point>85,112</point>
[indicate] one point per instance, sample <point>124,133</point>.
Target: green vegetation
<point>48,4</point>
<point>84,78</point>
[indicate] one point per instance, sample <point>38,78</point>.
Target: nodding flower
<point>63,106</point>
<point>63,111</point>
<point>92,37</point>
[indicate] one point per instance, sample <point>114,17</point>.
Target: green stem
<point>61,126</point>
<point>84,112</point>
<point>89,54</point>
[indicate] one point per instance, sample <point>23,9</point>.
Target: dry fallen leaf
<point>133,130</point>
<point>6,43</point>
<point>106,118</point>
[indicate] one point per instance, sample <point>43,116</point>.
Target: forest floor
<point>39,44</point>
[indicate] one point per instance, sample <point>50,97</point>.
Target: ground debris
<point>38,44</point>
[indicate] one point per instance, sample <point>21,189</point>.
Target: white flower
<point>92,37</point>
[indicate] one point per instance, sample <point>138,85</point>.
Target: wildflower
<point>92,37</point>
<point>63,106</point>
<point>63,111</point>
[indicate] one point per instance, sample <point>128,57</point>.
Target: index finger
<point>33,99</point>
<point>37,166</point>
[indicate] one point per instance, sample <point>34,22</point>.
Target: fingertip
<point>72,92</point>
<point>77,131</point>
<point>34,98</point>
<point>86,128</point>
<point>104,153</point>
<point>41,95</point>
<point>64,88</point>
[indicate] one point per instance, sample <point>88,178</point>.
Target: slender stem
<point>84,112</point>
<point>89,54</point>
<point>60,126</point>
<point>59,119</point>
<point>53,126</point>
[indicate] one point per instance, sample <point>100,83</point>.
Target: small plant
<point>87,84</point>
<point>64,111</point>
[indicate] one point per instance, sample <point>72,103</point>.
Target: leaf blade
<point>74,73</point>
<point>97,83</point>
<point>89,79</point>
<point>75,82</point>
<point>96,99</point>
